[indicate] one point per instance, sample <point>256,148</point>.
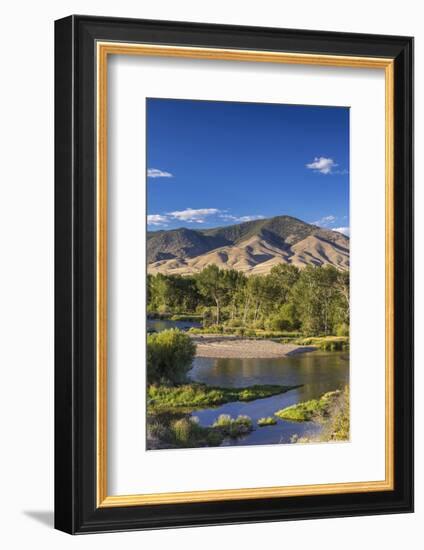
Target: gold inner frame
<point>104,49</point>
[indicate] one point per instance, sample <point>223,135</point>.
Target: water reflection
<point>157,325</point>
<point>318,372</point>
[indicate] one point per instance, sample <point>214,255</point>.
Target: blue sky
<point>213,163</point>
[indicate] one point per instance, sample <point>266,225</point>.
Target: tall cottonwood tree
<point>314,299</point>
<point>211,285</point>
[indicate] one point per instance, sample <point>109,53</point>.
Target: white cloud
<point>329,221</point>
<point>199,215</point>
<point>156,173</point>
<point>323,165</point>
<point>192,215</point>
<point>344,230</point>
<point>241,219</point>
<point>326,221</point>
<point>157,219</point>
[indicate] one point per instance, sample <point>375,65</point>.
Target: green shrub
<point>182,430</point>
<point>333,345</point>
<point>192,396</point>
<point>283,320</point>
<point>211,329</point>
<point>223,420</point>
<point>214,437</point>
<point>342,330</point>
<point>168,431</point>
<point>155,429</point>
<point>188,433</point>
<point>186,317</point>
<point>231,323</point>
<point>300,412</point>
<point>233,427</point>
<point>325,343</point>
<point>337,426</point>
<point>170,354</point>
<point>194,330</point>
<point>314,409</point>
<point>277,323</point>
<point>244,420</point>
<point>267,421</point>
<point>332,413</point>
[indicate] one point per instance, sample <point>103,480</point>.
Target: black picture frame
<point>76,510</point>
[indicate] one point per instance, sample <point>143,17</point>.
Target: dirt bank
<point>217,346</point>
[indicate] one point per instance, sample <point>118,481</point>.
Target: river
<point>317,372</point>
<point>157,325</point>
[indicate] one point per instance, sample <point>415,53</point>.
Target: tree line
<point>314,300</point>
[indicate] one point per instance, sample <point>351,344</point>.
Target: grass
<point>174,316</point>
<point>335,421</point>
<point>315,409</point>
<point>186,317</point>
<point>245,332</point>
<point>180,431</point>
<point>168,430</point>
<point>337,427</point>
<point>233,427</point>
<point>324,343</point>
<point>197,396</point>
<point>267,421</point>
<point>269,334</point>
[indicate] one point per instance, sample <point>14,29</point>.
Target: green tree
<point>172,293</point>
<point>283,277</point>
<point>159,293</point>
<point>286,318</point>
<point>212,284</point>
<point>315,295</point>
<point>256,292</point>
<point>342,285</point>
<point>314,299</point>
<point>170,354</point>
<point>235,281</point>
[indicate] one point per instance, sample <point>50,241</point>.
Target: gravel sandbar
<point>217,346</point>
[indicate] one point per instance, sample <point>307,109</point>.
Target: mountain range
<point>252,247</point>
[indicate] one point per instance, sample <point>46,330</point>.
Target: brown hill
<point>252,247</point>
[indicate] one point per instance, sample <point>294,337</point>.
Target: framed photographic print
<point>234,274</point>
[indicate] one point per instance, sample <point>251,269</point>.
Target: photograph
<point>248,269</point>
<point>233,253</point>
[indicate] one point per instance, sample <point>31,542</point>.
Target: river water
<point>158,325</point>
<point>317,371</point>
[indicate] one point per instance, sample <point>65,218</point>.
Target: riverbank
<point>189,397</point>
<point>170,424</point>
<point>233,347</point>
<point>331,410</point>
<point>315,409</point>
<point>182,416</point>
